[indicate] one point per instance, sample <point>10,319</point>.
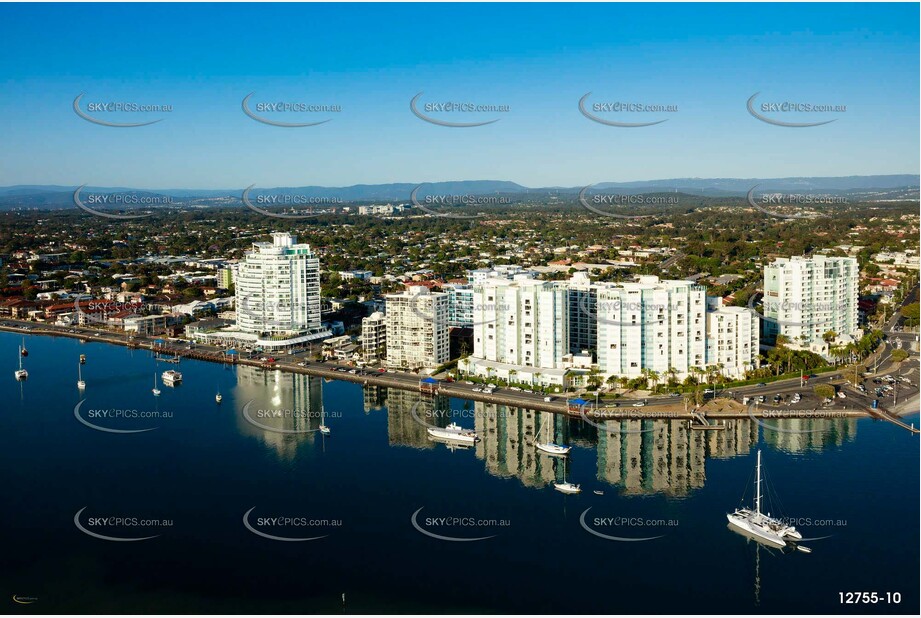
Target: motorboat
<point>453,433</point>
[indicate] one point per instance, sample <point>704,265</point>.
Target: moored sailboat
<point>21,374</point>
<point>550,447</point>
<point>761,526</point>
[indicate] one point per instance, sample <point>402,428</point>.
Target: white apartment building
<point>520,330</point>
<point>361,275</point>
<point>651,324</point>
<point>417,329</point>
<point>480,276</point>
<point>805,297</point>
<point>278,288</point>
<point>733,338</point>
<point>374,336</point>
<point>381,209</point>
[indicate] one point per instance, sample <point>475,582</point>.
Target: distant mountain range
<point>888,187</point>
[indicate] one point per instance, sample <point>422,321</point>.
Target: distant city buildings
<point>226,277</point>
<point>807,297</point>
<point>417,329</point>
<point>381,209</point>
<point>361,275</point>
<point>499,271</point>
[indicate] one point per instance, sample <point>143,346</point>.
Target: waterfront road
<point>901,397</point>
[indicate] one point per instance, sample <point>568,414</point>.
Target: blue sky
<point>372,59</point>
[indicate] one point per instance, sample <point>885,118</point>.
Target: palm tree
<point>672,375</point>
<point>653,376</point>
<point>594,376</point>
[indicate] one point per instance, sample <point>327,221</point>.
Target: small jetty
<point>699,422</point>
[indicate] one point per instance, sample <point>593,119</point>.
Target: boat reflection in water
<point>641,457</point>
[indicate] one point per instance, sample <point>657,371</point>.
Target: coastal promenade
<point>652,407</point>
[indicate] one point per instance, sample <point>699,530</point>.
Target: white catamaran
<point>762,526</point>
<point>80,383</point>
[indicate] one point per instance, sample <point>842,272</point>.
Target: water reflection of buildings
<point>410,413</point>
<point>640,457</point>
<point>798,435</point>
<point>507,443</point>
<point>291,405</point>
<point>375,397</point>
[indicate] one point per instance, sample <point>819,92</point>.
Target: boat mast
<point>758,485</point>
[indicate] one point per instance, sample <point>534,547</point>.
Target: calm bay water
<point>206,465</point>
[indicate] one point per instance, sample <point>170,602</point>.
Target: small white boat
<point>23,351</point>
<point>453,433</point>
<point>21,374</point>
<point>324,428</point>
<point>762,526</point>
<point>567,487</point>
<point>171,377</point>
<point>598,492</point>
<point>218,398</point>
<point>80,383</point>
<point>554,449</point>
<point>550,447</point>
